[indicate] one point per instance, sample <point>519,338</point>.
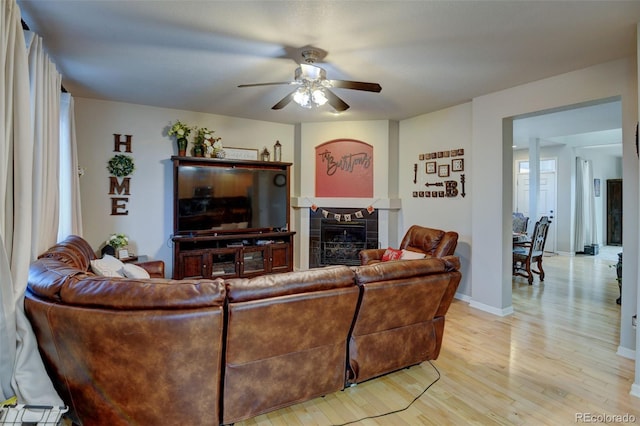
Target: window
<point>547,165</point>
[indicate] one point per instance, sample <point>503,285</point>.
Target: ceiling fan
<point>313,87</point>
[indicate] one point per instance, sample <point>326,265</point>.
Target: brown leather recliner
<point>286,339</point>
<point>400,320</point>
<point>431,242</point>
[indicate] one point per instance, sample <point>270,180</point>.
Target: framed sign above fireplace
<point>344,168</point>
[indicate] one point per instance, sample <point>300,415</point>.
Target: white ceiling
<point>426,55</point>
<point>596,125</point>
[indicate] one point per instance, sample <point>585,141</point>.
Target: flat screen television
<point>230,199</point>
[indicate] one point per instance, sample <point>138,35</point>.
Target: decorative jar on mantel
<point>182,146</point>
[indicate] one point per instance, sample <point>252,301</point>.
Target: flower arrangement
<point>179,130</point>
<point>211,145</point>
<point>117,241</point>
<point>120,165</point>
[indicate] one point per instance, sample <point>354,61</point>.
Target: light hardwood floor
<point>553,362</point>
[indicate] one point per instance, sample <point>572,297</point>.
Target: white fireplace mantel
<point>356,203</point>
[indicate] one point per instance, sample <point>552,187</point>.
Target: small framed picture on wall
<point>457,165</point>
<point>443,170</point>
<point>431,167</point>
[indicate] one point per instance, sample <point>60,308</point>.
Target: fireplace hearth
<point>335,242</point>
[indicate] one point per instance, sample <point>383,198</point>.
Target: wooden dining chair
<point>520,223</point>
<point>524,254</point>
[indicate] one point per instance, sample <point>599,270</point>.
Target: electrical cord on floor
<point>401,409</point>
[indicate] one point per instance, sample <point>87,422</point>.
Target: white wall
<point>491,145</point>
<point>149,223</point>
<point>439,131</point>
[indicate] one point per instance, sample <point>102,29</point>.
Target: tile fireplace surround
<point>384,221</point>
<point>333,242</point>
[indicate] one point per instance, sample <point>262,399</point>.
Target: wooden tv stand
<point>232,255</point>
<point>230,218</point>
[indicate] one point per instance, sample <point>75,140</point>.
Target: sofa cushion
<point>411,255</point>
<point>134,271</point>
<point>391,254</point>
<point>73,250</point>
<point>108,266</point>
<point>54,280</point>
<point>433,242</point>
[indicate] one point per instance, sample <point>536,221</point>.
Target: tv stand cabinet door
<point>193,264</point>
<point>254,261</point>
<point>280,258</point>
<point>224,262</point>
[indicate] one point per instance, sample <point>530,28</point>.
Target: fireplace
<point>338,242</point>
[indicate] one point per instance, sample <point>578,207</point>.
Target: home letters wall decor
<point>120,167</point>
<point>344,168</point>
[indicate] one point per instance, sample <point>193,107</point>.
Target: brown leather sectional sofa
<point>127,351</point>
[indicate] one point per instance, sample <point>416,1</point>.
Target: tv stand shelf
<point>228,216</point>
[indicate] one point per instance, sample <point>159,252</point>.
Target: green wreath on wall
<point>120,165</point>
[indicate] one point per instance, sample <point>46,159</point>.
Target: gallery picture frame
<point>443,170</point>
<point>457,165</point>
<point>240,153</point>
<point>430,167</point>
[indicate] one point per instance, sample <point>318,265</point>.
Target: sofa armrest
<point>368,256</point>
<point>155,268</point>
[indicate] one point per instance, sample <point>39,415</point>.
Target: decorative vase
<point>182,147</point>
<point>198,151</point>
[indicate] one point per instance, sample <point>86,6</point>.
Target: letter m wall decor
<point>344,168</point>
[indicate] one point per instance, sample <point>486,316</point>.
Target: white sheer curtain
<point>45,83</point>
<point>21,370</point>
<point>70,215</point>
<point>586,225</point>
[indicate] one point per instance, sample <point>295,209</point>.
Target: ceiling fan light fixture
<point>318,97</point>
<point>314,89</point>
<point>310,94</point>
<point>302,97</point>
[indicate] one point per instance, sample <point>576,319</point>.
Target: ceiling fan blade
<point>337,103</point>
<point>355,85</point>
<point>284,101</point>
<point>266,84</point>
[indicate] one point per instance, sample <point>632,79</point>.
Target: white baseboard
<point>626,352</point>
<point>462,297</point>
<point>635,390</point>
<point>491,309</point>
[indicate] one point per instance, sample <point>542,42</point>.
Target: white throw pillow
<point>108,266</point>
<point>411,255</point>
<point>135,271</point>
